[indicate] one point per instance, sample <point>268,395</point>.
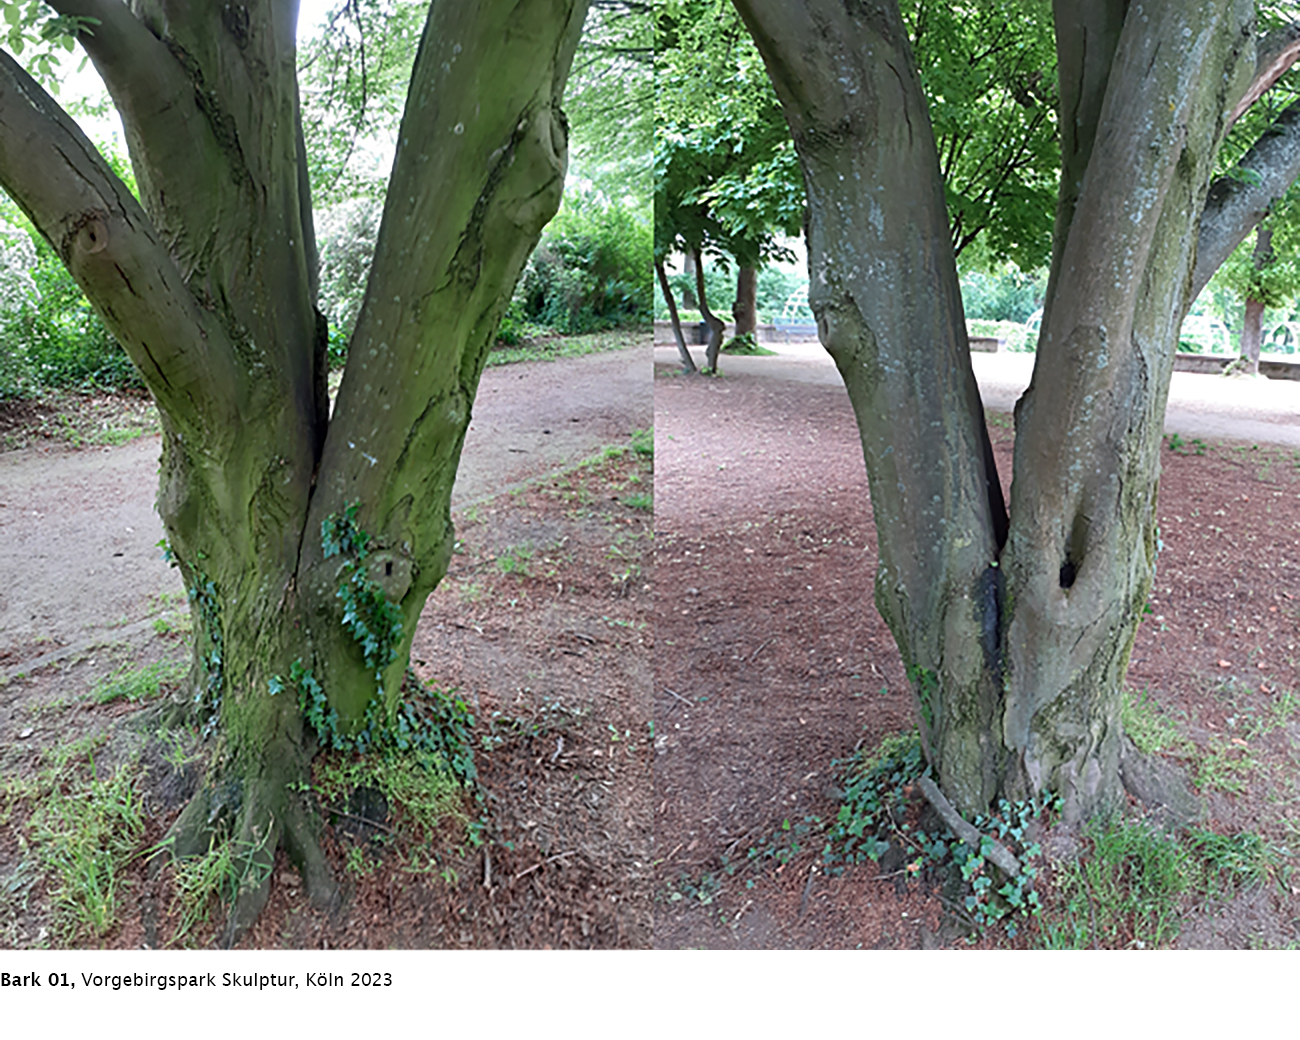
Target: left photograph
<point>326,475</point>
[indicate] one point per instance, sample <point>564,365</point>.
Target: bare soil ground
<point>773,665</point>
<point>541,627</point>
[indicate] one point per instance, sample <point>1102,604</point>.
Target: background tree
<point>726,177</point>
<point>989,76</point>
<point>1015,626</point>
<point>309,542</point>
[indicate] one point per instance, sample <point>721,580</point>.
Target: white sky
<point>87,84</point>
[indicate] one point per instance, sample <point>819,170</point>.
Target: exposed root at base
<point>255,821</point>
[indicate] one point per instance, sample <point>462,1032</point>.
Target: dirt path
<point>1260,410</point>
<point>79,557</point>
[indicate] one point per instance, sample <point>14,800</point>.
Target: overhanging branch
<point>111,248</point>
<point>1237,203</point>
<point>1276,53</point>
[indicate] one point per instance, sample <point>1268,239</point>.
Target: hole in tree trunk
<point>388,569</point>
<point>1067,574</point>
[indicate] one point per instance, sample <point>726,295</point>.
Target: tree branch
<point>111,248</point>
<point>1235,204</point>
<point>1275,53</point>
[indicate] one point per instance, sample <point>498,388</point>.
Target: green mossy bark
<point>210,285</point>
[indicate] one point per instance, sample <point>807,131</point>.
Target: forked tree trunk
<point>745,309</point>
<point>1015,632</point>
<point>688,363</point>
<point>211,287</point>
<point>715,324</point>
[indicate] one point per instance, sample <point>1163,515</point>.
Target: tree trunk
<point>688,363</point>
<point>745,309</point>
<point>1015,634</point>
<point>263,495</point>
<point>1252,326</point>
<point>716,325</point>
<point>690,269</point>
<point>1252,329</point>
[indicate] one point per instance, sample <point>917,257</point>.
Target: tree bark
<point>1252,328</point>
<point>1252,325</point>
<point>1015,635</point>
<point>689,268</point>
<point>210,286</point>
<point>745,309</point>
<point>688,363</point>
<point>716,325</point>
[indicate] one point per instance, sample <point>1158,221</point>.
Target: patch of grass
<point>1226,765</point>
<point>641,501</point>
<point>1123,893</point>
<point>202,884</point>
<point>1231,862</point>
<point>1149,730</point>
<point>550,348</point>
<point>643,443</point>
<point>471,592</point>
<point>1178,446</point>
<point>174,624</point>
<point>1126,890</point>
<point>746,346</point>
<point>116,436</point>
<point>421,793</point>
<point>515,560</point>
<point>82,832</point>
<point>138,684</point>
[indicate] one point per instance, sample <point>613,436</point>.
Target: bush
<point>592,270</point>
<point>17,295</point>
<point>49,334</point>
<point>346,237</point>
<point>1003,295</point>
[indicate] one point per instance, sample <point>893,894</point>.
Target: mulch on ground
<point>773,665</point>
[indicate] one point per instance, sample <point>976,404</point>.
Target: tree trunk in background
<point>690,270</point>
<point>1252,326</point>
<point>1015,634</point>
<point>745,309</point>
<point>211,288</point>
<point>716,325</point>
<point>1252,329</point>
<point>688,363</point>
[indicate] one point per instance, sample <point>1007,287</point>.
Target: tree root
<point>256,818</point>
<point>997,852</point>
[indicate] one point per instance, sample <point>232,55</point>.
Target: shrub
<point>591,271</point>
<point>346,235</point>
<point>49,333</point>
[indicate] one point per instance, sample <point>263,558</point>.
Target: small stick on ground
<point>538,866</point>
<point>998,852</point>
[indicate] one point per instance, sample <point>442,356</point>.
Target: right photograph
<point>977,475</point>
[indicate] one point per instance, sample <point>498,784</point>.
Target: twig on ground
<point>761,646</point>
<point>807,889</point>
<point>366,820</point>
<point>672,693</point>
<point>538,866</point>
<point>998,852</point>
